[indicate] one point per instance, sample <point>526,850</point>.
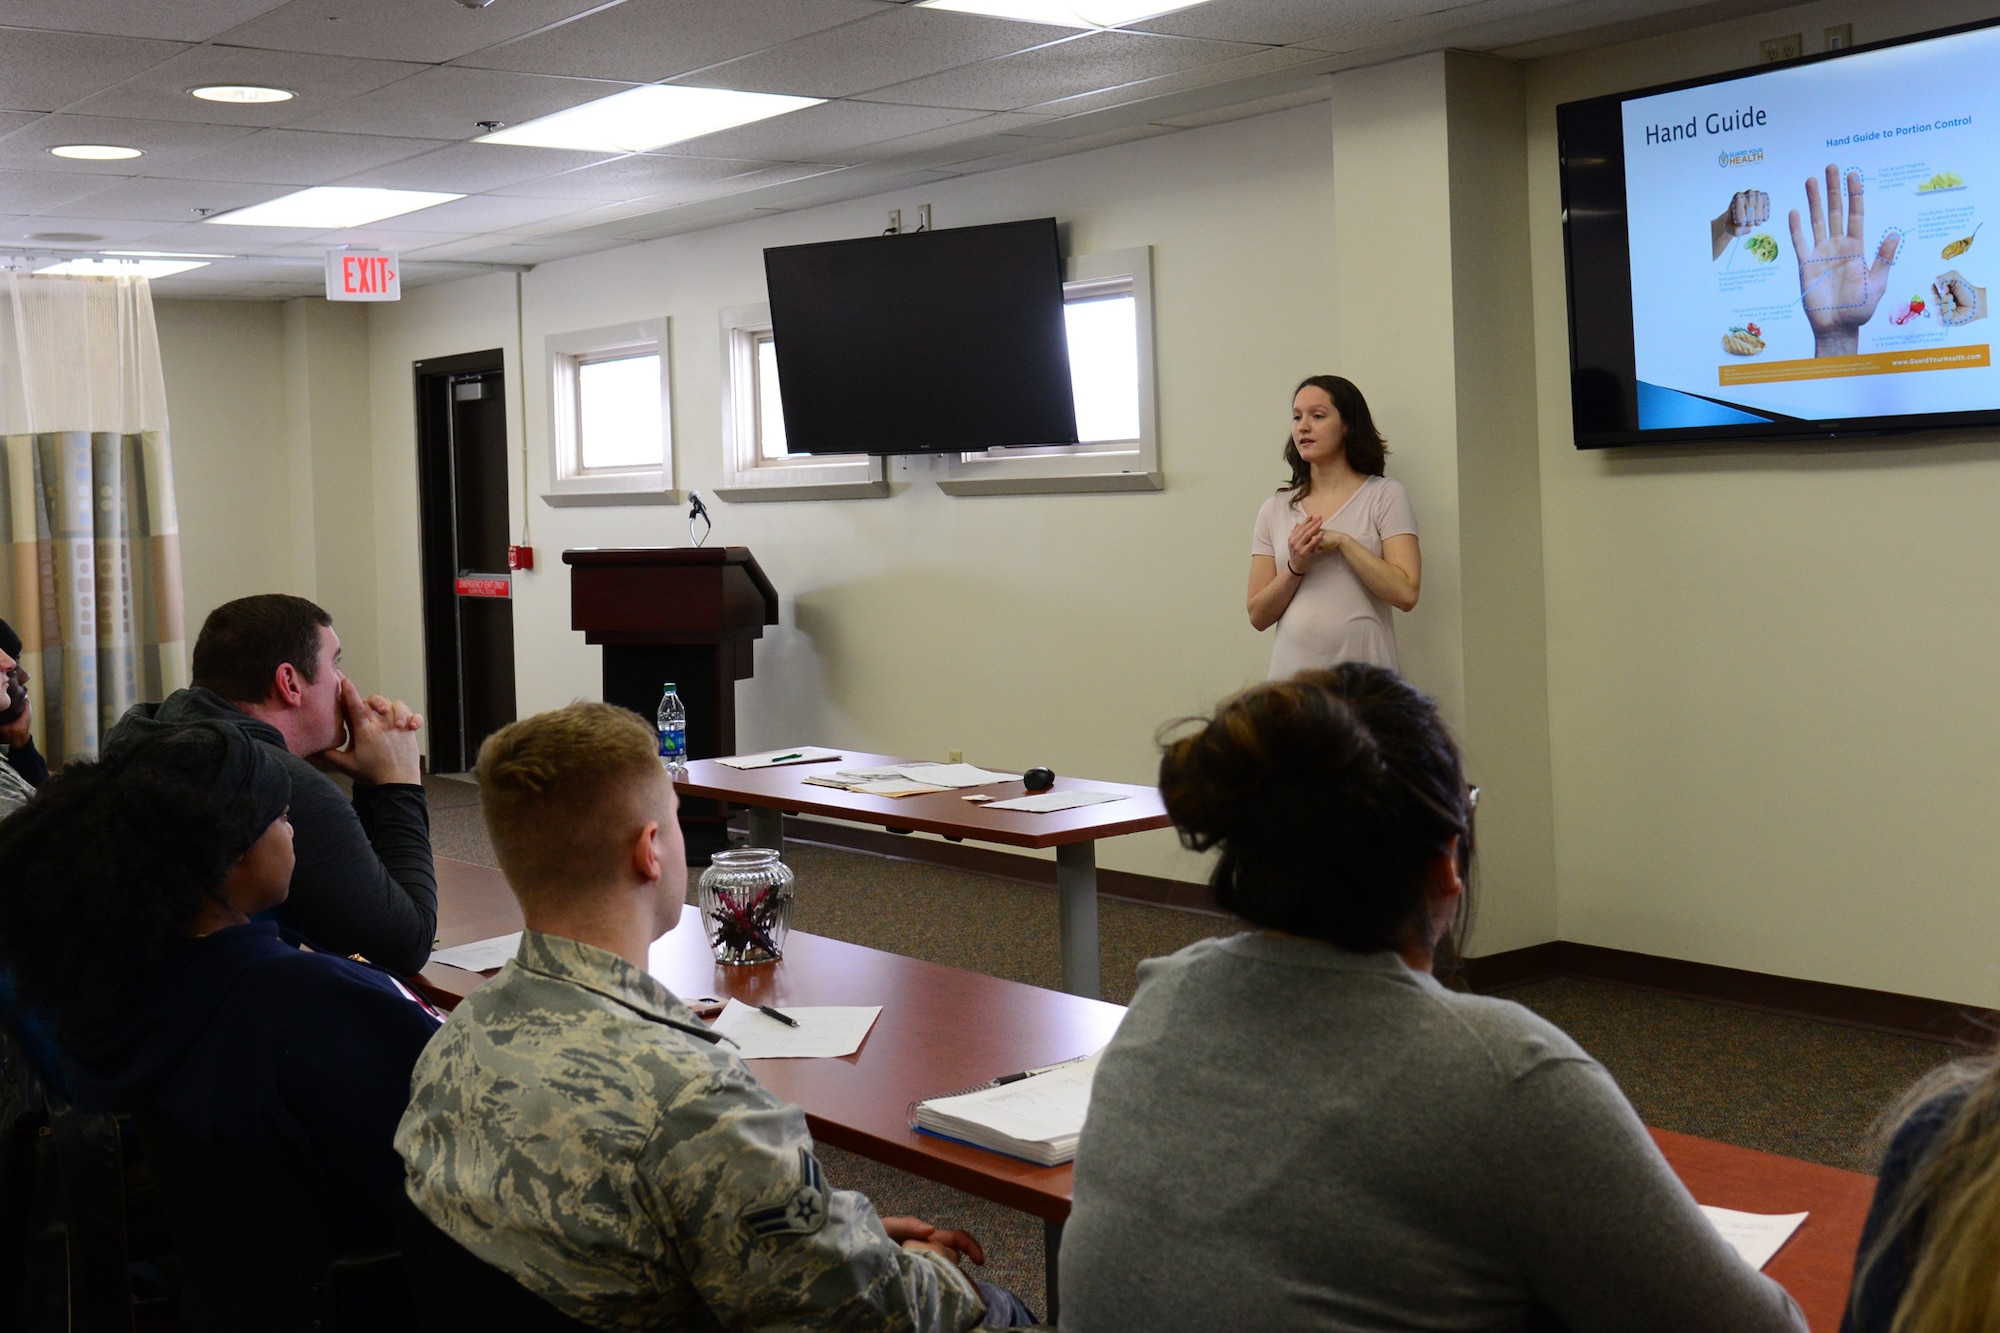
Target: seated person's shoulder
<point>1514,1039</point>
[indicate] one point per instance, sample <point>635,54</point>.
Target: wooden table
<point>772,793</point>
<point>942,1028</point>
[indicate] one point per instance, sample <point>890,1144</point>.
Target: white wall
<point>1055,629</point>
<point>1771,668</point>
<point>225,372</point>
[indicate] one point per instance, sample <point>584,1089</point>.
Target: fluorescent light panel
<point>246,94</point>
<point>95,152</point>
<point>138,268</point>
<point>644,118</point>
<point>330,207</point>
<point>1069,13</point>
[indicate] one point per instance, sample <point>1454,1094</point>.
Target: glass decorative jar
<point>746,905</point>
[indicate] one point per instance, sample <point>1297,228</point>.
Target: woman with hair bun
<point>1336,547</point>
<point>1299,1128</point>
<point>128,892</point>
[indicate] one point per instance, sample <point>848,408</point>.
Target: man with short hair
<point>364,881</point>
<point>576,1126</point>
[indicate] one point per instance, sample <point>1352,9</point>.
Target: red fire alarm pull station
<point>520,557</point>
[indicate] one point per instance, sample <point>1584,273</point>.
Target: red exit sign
<point>363,275</point>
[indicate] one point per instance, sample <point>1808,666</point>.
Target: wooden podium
<point>686,614</point>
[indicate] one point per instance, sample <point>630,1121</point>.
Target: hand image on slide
<point>1958,301</point>
<point>1839,287</point>
<point>1747,211</point>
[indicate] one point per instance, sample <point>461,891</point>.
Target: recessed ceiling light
<point>246,93</point>
<point>95,152</point>
<point>74,237</point>
<point>328,207</point>
<point>1068,13</point>
<point>643,118</point>
<point>111,268</point>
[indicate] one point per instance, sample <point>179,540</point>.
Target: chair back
<point>255,1253</point>
<point>455,1288</point>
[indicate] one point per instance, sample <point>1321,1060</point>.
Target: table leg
<point>1051,1247</point>
<point>767,829</point>
<point>1076,885</point>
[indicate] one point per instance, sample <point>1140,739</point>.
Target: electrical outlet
<point>1775,49</point>
<point>1839,36</point>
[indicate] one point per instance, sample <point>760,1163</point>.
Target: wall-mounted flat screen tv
<point>945,341</point>
<point>1794,253</point>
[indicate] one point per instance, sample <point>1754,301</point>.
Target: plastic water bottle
<point>673,727</point>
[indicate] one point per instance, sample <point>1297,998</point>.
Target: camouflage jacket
<point>568,1126</point>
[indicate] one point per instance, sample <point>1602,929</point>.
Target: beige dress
<point>1333,618</point>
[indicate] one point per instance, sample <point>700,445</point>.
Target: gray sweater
<point>1284,1136</point>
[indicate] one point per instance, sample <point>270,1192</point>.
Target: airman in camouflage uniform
<point>575,1125</point>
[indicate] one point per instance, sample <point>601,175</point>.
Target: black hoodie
<point>298,1060</point>
<point>364,882</point>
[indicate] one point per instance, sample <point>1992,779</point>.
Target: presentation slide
<point>1807,243</point>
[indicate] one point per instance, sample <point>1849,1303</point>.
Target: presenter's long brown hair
<point>1366,450</point>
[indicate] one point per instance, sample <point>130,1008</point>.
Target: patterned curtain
<point>90,571</point>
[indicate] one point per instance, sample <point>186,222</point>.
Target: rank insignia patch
<point>803,1213</point>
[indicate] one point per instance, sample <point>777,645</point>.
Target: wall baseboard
<point>1850,1006</point>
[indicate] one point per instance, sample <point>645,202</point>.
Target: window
<point>1108,309</point>
<point>610,416</point>
<point>756,463</point>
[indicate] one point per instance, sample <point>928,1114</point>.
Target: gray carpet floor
<point>1785,1085</point>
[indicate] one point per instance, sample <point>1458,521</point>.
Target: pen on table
<point>1029,1073</point>
<point>779,759</point>
<point>769,1012</point>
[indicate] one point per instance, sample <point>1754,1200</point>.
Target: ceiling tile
<point>14,120</point>
<point>181,21</point>
<point>1267,61</point>
<point>636,177</point>
<point>425,30</point>
<point>1099,60</point>
<point>920,146</point>
<point>1282,22</point>
<point>450,101</point>
<point>485,213</point>
<point>470,168</point>
<point>209,238</point>
<point>45,71</point>
<point>1382,22</point>
<point>33,191</point>
<point>894,47</point>
<point>161,93</point>
<point>299,157</point>
<point>47,232</point>
<point>649,40</point>
<point>164,143</point>
<point>165,200</point>
<point>831,131</point>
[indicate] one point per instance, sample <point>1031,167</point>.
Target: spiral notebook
<point>1037,1118</point>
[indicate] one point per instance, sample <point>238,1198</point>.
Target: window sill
<point>874,489</point>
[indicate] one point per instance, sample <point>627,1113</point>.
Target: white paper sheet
<point>1755,1236</point>
<point>954,775</point>
<point>823,1030</point>
<point>480,954</point>
<point>897,786</point>
<point>1047,802</point>
<point>797,754</point>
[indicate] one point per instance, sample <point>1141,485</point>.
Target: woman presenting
<point>1336,547</point>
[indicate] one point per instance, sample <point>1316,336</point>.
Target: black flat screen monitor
<point>1700,311</point>
<point>928,342</point>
